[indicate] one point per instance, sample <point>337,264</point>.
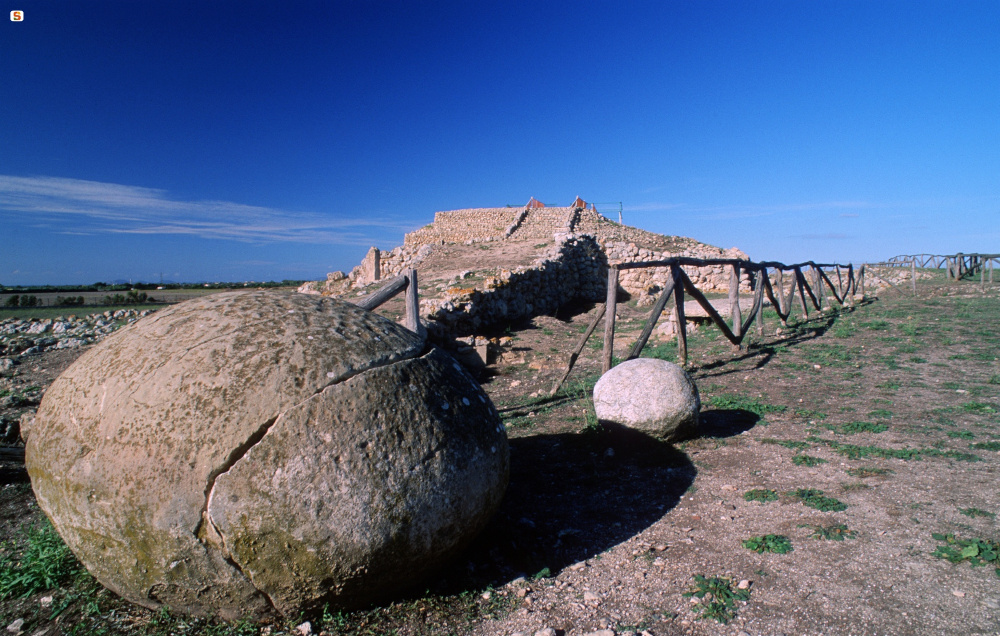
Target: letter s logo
<point>16,16</point>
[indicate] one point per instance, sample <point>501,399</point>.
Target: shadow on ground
<point>726,422</point>
<point>571,497</point>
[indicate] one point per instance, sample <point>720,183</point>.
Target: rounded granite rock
<point>649,395</point>
<point>257,452</point>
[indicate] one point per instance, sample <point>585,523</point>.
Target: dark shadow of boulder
<point>571,497</point>
<point>726,422</point>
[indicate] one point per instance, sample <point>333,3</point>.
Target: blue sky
<point>252,140</point>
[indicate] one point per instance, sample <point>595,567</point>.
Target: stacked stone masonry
<point>585,243</point>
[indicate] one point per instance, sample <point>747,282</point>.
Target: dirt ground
<point>892,409</point>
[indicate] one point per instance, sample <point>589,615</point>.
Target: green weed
<point>992,446</point>
<point>877,325</point>
<point>787,443</point>
<point>719,597</point>
<point>743,403</point>
<point>44,563</point>
<point>977,552</point>
<point>976,512</point>
<point>807,460</point>
<point>978,407</point>
<point>883,414</point>
<point>852,428</point>
<point>868,471</point>
<point>816,499</point>
<point>836,532</point>
<point>776,543</point>
<point>762,495</point>
<point>960,434</point>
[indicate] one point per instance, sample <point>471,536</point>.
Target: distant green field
<point>93,304</point>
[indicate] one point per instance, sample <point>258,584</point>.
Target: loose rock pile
<point>21,336</point>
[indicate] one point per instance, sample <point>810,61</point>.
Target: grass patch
<point>852,428</point>
<point>877,325</point>
<point>977,552</point>
<point>978,407</point>
<point>44,563</point>
<point>882,414</point>
<point>776,543</point>
<point>787,443</point>
<point>743,403</point>
<point>719,598</point>
<point>816,499</point>
<point>836,532</point>
<point>991,446</point>
<point>868,471</point>
<point>807,460</point>
<point>762,495</point>
<point>976,512</point>
<point>960,434</point>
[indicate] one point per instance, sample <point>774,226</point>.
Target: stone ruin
<point>571,249</point>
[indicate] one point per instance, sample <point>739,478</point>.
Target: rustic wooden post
<point>654,315</point>
<point>848,295</point>
<point>682,343</point>
<point>779,279</point>
<point>760,307</point>
<point>734,300</point>
<point>820,295</point>
<point>802,291</point>
<point>609,318</point>
<point>579,347</point>
<point>861,280</point>
<point>376,264</point>
<point>840,283</point>
<point>789,299</point>
<point>412,320</point>
<point>913,275</point>
<point>982,277</point>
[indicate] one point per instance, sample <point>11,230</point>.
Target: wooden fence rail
<point>956,266</point>
<point>736,329</point>
<point>406,282</point>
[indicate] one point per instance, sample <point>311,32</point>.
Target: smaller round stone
<point>653,396</point>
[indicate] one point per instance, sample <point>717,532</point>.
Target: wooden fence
<point>842,282</point>
<point>956,266</point>
<point>405,282</point>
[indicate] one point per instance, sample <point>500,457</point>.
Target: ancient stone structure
<point>256,452</point>
<point>653,396</point>
<point>577,246</point>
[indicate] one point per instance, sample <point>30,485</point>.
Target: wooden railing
<point>405,282</point>
<point>956,266</point>
<point>848,282</point>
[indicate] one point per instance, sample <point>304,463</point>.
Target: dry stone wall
<point>574,269</point>
<point>462,226</point>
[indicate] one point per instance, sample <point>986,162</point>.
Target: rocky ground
<point>867,441</point>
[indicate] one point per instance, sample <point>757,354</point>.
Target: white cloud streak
<point>729,212</point>
<point>79,207</point>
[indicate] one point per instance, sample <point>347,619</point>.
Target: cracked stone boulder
<point>653,396</point>
<point>253,453</point>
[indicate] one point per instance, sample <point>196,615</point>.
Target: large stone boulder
<point>653,396</point>
<point>257,451</point>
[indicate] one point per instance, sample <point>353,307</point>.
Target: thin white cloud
<point>829,236</point>
<point>729,212</point>
<point>76,206</point>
